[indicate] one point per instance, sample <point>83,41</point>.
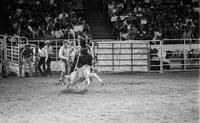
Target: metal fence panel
<point>175,55</point>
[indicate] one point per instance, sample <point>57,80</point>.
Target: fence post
<point>161,60</point>
<point>11,49</point>
<point>149,56</point>
<point>97,54</point>
<point>112,56</point>
<point>184,55</point>
<point>56,50</point>
<point>20,64</point>
<point>131,57</point>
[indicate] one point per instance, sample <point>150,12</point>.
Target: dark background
<point>3,17</point>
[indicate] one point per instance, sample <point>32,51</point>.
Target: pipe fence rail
<point>111,55</point>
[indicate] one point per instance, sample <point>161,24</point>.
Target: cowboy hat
<point>47,42</point>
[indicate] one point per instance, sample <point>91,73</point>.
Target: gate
<point>11,59</point>
<point>122,56</point>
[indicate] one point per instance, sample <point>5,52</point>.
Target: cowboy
<point>27,55</point>
<point>49,49</point>
<point>65,59</point>
<point>43,54</point>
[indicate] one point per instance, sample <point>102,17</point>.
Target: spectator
<point>49,49</point>
<point>42,18</point>
<point>64,55</point>
<point>43,54</point>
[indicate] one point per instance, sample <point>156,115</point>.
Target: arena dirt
<point>125,98</point>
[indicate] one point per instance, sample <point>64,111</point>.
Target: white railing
<point>175,55</point>
<point>160,55</point>
<point>10,54</point>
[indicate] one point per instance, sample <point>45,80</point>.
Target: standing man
<point>27,55</point>
<point>4,56</point>
<point>49,49</point>
<point>64,55</point>
<point>43,54</point>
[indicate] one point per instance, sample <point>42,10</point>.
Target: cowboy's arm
<point>22,55</point>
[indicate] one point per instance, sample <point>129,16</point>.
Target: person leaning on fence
<point>49,49</point>
<point>43,54</point>
<point>27,55</point>
<point>64,55</point>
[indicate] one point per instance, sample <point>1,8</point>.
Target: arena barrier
<point>122,56</point>
<point>119,56</point>
<point>110,55</point>
<point>174,55</point>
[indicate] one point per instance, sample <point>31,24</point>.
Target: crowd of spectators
<point>47,18</point>
<point>153,19</point>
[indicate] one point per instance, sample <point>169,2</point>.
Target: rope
<point>77,61</point>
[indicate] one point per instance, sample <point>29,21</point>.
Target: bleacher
<point>47,19</point>
<point>147,19</point>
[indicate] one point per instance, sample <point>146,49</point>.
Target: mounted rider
<point>83,56</point>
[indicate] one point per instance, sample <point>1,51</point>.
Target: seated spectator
<point>132,31</point>
<point>116,27</point>
<point>42,18</point>
<point>58,33</point>
<point>63,15</point>
<point>69,32</point>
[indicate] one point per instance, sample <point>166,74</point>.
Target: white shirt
<point>58,33</point>
<point>49,50</point>
<point>64,53</point>
<point>78,28</point>
<point>62,15</point>
<point>43,53</point>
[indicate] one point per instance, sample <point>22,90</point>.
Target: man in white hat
<point>64,55</point>
<point>49,49</point>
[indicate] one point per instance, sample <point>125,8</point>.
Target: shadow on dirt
<point>74,91</point>
<point>127,83</point>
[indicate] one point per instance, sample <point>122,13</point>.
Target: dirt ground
<point>125,98</point>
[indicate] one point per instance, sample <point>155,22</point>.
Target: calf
<point>83,74</point>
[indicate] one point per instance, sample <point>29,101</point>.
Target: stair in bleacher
<point>97,20</point>
<point>3,21</point>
